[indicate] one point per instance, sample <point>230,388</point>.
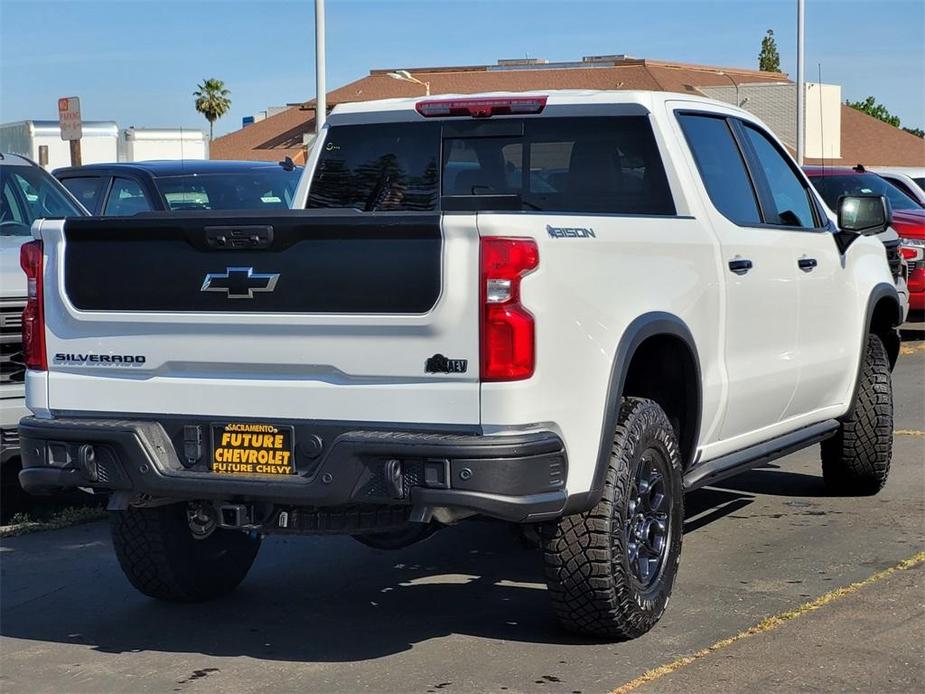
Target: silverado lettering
<point>100,359</point>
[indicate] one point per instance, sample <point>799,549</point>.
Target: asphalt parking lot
<point>466,611</point>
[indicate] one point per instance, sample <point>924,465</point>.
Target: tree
<point>871,107</point>
<point>769,58</point>
<point>212,100</point>
<point>918,132</point>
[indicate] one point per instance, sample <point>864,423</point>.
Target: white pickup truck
<point>561,309</point>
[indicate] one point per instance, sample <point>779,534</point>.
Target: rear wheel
<point>162,557</point>
<point>856,460</point>
<point>610,570</point>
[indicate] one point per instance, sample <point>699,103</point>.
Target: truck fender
<point>888,332</point>
<point>638,331</point>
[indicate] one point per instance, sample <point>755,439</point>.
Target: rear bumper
<point>12,409</point>
<point>512,477</point>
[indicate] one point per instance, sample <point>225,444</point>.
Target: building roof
<point>871,142</point>
<point>864,139</point>
<point>280,135</point>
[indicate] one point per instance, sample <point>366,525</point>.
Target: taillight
<point>912,252</point>
<point>481,107</point>
<point>33,315</point>
<point>507,331</point>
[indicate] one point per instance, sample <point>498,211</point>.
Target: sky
<point>137,62</point>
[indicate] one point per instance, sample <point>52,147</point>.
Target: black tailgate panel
<point>327,263</point>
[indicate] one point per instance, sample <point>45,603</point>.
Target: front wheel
<point>856,461</point>
<point>163,559</point>
<point>610,570</point>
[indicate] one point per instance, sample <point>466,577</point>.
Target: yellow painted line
<point>911,349</point>
<point>909,432</point>
<point>768,624</point>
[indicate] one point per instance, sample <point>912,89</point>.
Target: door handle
<point>806,264</point>
<point>740,265</point>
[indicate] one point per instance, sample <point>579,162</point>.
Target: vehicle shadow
<point>312,599</point>
<point>772,480</point>
<point>307,599</point>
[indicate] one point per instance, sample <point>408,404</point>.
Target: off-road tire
<point>592,586</point>
<point>162,559</point>
<point>856,460</point>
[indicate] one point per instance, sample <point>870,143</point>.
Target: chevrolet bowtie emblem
<point>239,282</point>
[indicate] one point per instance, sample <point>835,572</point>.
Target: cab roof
<point>555,98</point>
<point>175,167</point>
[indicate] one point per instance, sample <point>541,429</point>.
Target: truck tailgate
<point>300,315</point>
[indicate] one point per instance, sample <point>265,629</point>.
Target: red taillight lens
<point>33,315</point>
<point>507,331</point>
<point>912,253</point>
<point>481,107</point>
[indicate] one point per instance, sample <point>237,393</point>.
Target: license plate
<point>245,448</point>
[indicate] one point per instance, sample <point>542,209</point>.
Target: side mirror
<point>867,215</point>
<point>861,215</point>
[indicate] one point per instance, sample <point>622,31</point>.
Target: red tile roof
<point>871,142</point>
<point>864,139</point>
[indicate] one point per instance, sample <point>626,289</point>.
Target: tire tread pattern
<point>856,460</point>
<point>591,589</point>
<point>161,558</point>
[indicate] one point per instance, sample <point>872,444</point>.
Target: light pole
<point>406,76</point>
<point>801,126</point>
<point>321,106</point>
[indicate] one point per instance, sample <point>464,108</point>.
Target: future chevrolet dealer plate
<point>244,448</point>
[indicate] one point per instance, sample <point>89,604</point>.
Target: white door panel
<point>828,317</point>
<point>761,333</point>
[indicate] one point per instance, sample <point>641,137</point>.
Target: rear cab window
<point>547,164</point>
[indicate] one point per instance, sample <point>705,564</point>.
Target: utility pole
<point>801,88</point>
<point>321,107</point>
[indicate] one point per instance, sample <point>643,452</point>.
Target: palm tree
<point>212,100</point>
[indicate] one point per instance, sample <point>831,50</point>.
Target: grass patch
<point>23,523</point>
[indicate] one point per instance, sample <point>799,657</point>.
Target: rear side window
<point>87,189</point>
<point>576,165</point>
<point>721,167</point>
<point>125,199</point>
<point>388,166</point>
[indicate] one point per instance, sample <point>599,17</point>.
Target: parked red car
<point>908,216</point>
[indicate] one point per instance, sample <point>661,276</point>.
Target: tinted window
<point>28,193</point>
<point>270,189</point>
<point>920,181</point>
<point>901,185</point>
<point>565,165</point>
<point>125,198</point>
<point>721,167</point>
<point>87,189</point>
<point>789,204</point>
<point>832,186</point>
<point>389,166</point>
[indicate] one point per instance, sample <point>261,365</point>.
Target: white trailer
<point>40,141</point>
<point>146,144</point>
